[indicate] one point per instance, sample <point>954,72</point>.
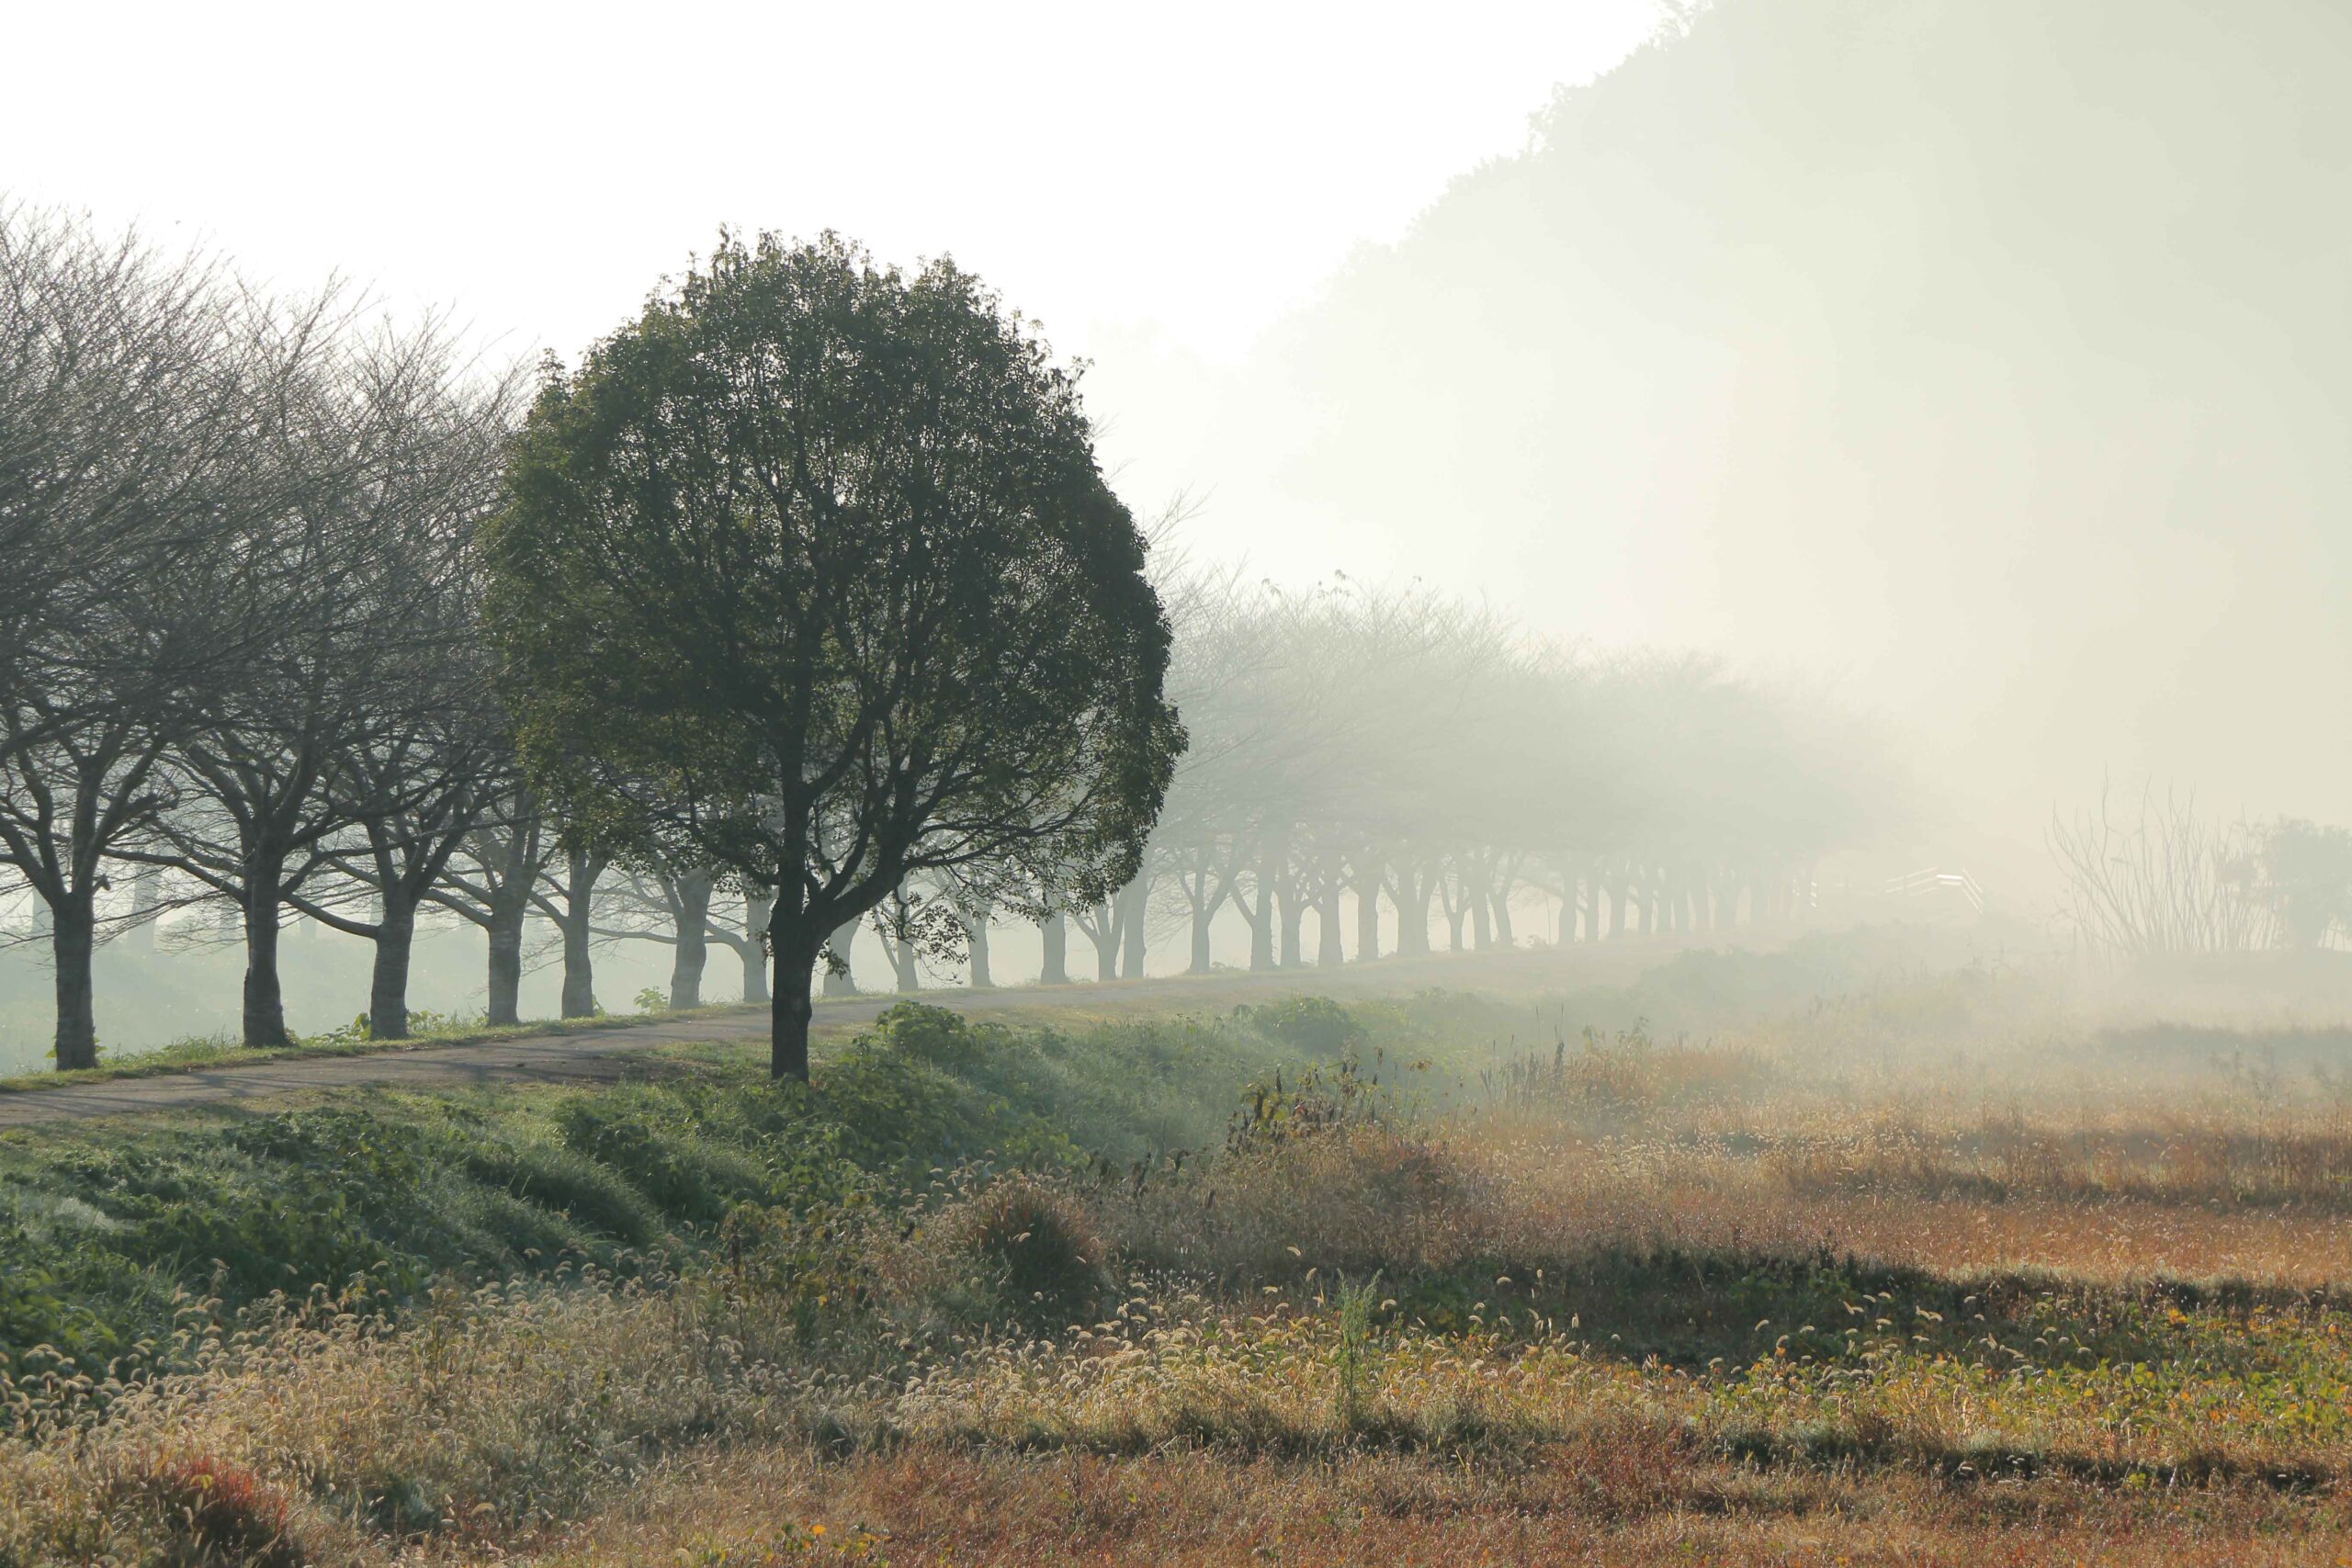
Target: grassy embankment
<point>1915,1276</point>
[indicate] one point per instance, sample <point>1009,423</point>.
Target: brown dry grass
<point>1601,1501</point>
<point>1769,1300</point>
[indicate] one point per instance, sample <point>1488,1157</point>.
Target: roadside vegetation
<point>1936,1272</point>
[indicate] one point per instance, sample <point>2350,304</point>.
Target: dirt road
<point>603,1055</point>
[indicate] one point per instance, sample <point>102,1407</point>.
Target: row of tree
<point>805,586</point>
<point>2160,878</point>
<point>800,605</point>
<point>233,658</point>
<point>1354,747</point>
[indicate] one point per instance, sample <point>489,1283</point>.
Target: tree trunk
<point>757,903</point>
<point>840,982</point>
<point>1105,938</point>
<point>693,952</point>
<point>146,893</point>
<point>1505,935</point>
<point>505,977</point>
<point>1262,928</point>
<point>579,969</point>
<point>578,907</point>
<point>1204,917</point>
<point>388,986</point>
<point>72,938</point>
<point>1413,915</point>
<point>1134,900</point>
<point>1292,911</point>
<point>975,952</point>
<point>1367,920</point>
<point>265,1011</point>
<point>1056,969</point>
<point>1482,929</point>
<point>792,1007</point>
<point>1329,953</point>
<point>903,968</point>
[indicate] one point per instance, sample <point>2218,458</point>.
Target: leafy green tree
<point>809,575</point>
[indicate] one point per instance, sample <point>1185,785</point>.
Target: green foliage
<point>110,1236</point>
<point>549,1175</point>
<point>1356,1301</point>
<point>1314,1024</point>
<point>1323,1096</point>
<point>663,1155</point>
<point>807,523</point>
<point>815,1262</point>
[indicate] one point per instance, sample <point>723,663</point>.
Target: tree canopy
<point>809,574</point>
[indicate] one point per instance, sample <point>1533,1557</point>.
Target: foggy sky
<point>1187,171</point>
<point>1984,361</point>
<point>1984,357</point>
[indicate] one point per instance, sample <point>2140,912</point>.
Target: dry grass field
<point>1964,1269</point>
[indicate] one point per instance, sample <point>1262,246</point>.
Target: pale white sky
<point>1181,171</point>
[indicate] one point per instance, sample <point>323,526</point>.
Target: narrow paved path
<point>604,1054</point>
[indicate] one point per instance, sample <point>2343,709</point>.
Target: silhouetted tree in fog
<point>493,883</point>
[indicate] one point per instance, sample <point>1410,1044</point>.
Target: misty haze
<point>1027,786</point>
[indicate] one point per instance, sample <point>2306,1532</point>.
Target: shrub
<point>217,1512</point>
<point>1314,1024</point>
<point>935,1036</point>
<point>1019,1245</point>
<point>813,1264</point>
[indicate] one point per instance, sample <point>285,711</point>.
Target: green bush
<point>1314,1024</point>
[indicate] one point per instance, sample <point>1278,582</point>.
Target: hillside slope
<point>1988,351</point>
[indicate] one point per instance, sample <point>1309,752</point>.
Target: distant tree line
<point>1356,750</point>
<point>2160,878</point>
<point>798,606</point>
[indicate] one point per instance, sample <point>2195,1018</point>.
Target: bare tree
<point>135,394</point>
<point>490,881</point>
<point>2164,880</point>
<point>338,583</point>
